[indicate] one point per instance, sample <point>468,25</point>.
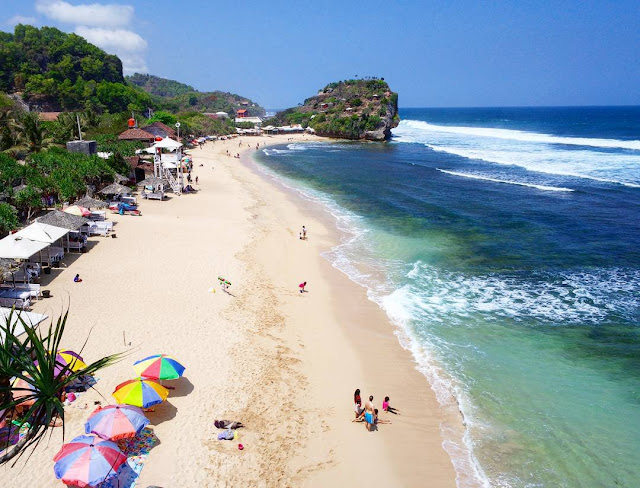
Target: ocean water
<point>504,244</point>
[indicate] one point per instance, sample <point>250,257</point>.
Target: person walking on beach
<point>369,414</point>
<point>196,180</point>
<point>304,233</point>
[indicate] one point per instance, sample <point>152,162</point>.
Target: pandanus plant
<point>32,359</point>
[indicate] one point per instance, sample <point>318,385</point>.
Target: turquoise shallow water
<point>503,242</point>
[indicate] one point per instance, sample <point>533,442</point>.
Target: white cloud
<point>95,14</point>
<point>133,63</point>
<point>21,19</point>
<point>112,39</point>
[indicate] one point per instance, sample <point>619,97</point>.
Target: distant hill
<point>176,97</point>
<point>53,71</point>
<point>160,87</point>
<point>350,109</point>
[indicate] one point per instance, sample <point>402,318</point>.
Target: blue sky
<point>434,54</point>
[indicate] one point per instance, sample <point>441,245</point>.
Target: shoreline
<point>283,363</point>
<point>385,368</point>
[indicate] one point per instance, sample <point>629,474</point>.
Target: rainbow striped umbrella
<point>87,460</point>
<point>115,422</point>
<point>140,392</point>
<point>159,367</point>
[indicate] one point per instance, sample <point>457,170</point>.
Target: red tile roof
<point>242,111</point>
<point>170,132</point>
<point>135,135</point>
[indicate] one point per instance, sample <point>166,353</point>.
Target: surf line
<point>509,182</point>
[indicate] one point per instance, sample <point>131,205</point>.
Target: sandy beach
<point>284,363</point>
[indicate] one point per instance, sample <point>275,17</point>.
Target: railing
<point>173,182</point>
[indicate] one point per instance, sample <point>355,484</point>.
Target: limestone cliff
<point>351,109</point>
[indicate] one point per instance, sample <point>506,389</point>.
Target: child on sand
<point>301,286</point>
<point>77,279</point>
<point>388,408</point>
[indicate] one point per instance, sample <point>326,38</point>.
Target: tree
<point>164,117</point>
<point>28,200</point>
<point>8,218</point>
<point>46,380</point>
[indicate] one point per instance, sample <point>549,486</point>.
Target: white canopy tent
<point>17,247</point>
<point>42,232</point>
<point>30,318</point>
<point>167,143</point>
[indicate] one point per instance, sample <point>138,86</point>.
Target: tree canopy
<point>55,70</point>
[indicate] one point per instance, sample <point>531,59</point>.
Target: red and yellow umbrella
<point>140,392</point>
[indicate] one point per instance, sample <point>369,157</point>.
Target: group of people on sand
<point>369,414</point>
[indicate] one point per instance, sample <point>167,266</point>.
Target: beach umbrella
<point>87,460</point>
<point>159,367</point>
<point>140,392</point>
<point>71,359</point>
<point>67,359</point>
<point>115,422</point>
<point>21,389</point>
<point>77,210</point>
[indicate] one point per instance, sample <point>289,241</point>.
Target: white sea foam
<point>522,136</point>
<point>496,180</point>
<point>599,161</point>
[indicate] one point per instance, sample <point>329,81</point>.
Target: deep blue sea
<point>504,244</point>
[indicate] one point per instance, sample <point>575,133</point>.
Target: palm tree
<point>33,360</point>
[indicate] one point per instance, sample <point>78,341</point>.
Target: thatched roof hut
<point>120,179</point>
<point>114,189</point>
<point>89,202</point>
<point>63,219</point>
<point>154,181</point>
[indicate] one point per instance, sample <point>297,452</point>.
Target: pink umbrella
<point>115,422</point>
<point>78,210</point>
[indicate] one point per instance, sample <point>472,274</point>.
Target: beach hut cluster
<point>36,249</point>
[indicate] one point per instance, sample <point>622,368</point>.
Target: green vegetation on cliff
<point>57,71</point>
<point>175,97</point>
<point>351,109</point>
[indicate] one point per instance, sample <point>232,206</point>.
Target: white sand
<point>284,363</point>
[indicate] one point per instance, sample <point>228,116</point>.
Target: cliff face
<point>352,109</point>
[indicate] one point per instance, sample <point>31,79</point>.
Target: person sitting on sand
<point>357,403</point>
<point>388,408</point>
<point>77,279</point>
<point>377,421</point>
